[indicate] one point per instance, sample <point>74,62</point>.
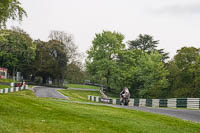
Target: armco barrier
<point>136,102</point>
<point>171,103</point>
<point>142,102</point>
<point>181,102</point>
<point>14,89</point>
<point>149,102</point>
<point>163,102</point>
<point>190,103</point>
<point>193,103</point>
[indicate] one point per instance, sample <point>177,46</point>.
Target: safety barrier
<point>190,103</point>
<point>14,89</point>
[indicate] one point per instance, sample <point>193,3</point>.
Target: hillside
<point>22,112</point>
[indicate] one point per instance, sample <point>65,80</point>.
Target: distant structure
<point>3,73</point>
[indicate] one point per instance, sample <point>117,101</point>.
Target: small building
<point>3,73</point>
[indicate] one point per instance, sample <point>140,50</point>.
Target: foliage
<point>54,57</point>
<point>17,50</point>
<point>144,42</point>
<point>67,41</point>
<point>184,73</point>
<point>75,74</point>
<point>102,55</point>
<point>125,69</point>
<point>151,75</point>
<point>147,44</point>
<point>10,9</point>
<point>51,60</point>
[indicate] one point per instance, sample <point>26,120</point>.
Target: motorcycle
<point>124,98</point>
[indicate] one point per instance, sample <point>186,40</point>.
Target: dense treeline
<point>142,67</point>
<point>38,60</point>
<point>138,64</point>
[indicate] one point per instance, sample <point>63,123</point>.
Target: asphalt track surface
<point>192,115</point>
<point>48,92</point>
<point>185,114</point>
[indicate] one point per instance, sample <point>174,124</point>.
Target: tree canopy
<point>140,68</point>
<point>102,55</point>
<point>17,50</point>
<point>147,44</point>
<point>185,73</point>
<point>10,9</point>
<point>138,64</point>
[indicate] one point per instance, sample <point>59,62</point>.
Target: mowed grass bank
<point>6,80</point>
<point>79,95</point>
<point>82,86</point>
<point>21,112</point>
<point>4,86</point>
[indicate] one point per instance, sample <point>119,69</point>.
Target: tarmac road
<point>192,115</point>
<point>48,92</point>
<point>185,114</point>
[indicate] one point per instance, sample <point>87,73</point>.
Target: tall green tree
<point>17,51</point>
<point>125,70</point>
<point>43,63</point>
<point>151,75</point>
<point>184,73</point>
<point>147,44</point>
<point>66,54</point>
<point>144,42</point>
<point>51,61</point>
<point>103,54</point>
<point>75,74</point>
<point>10,9</point>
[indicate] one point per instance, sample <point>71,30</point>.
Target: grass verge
<point>6,80</point>
<point>82,86</point>
<point>21,112</point>
<point>4,86</point>
<point>79,95</point>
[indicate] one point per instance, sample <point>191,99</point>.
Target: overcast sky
<point>176,23</point>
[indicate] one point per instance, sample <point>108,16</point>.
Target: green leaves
<point>102,55</point>
<point>140,70</point>
<point>152,74</point>
<point>147,44</point>
<point>10,9</point>
<point>16,50</point>
<point>185,73</point>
